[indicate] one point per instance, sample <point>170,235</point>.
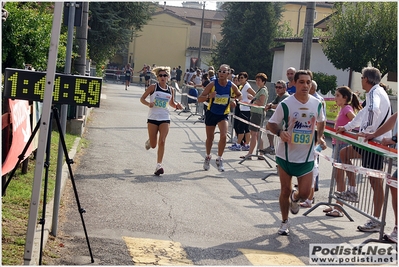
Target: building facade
<point>295,12</point>
<point>173,35</point>
<point>163,41</point>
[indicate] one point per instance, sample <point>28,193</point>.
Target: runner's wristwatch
<point>395,139</point>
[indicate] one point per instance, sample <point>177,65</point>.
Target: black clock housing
<point>68,89</point>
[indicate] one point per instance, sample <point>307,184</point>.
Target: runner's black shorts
<point>212,119</point>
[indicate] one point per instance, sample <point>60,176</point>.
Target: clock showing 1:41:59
<point>68,89</point>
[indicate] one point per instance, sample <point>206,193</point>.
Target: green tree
<point>112,26</point>
<point>248,32</point>
<point>26,36</point>
<point>363,32</point>
<point>325,83</point>
<point>284,30</point>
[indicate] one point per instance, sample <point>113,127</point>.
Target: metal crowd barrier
<point>262,129</point>
<point>184,98</point>
<point>364,205</point>
<point>184,101</point>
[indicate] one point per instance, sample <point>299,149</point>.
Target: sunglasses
<point>223,71</point>
<point>242,77</point>
<point>278,87</point>
<point>163,75</point>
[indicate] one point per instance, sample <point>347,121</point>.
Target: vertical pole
<point>81,38</point>
<point>42,221</point>
<point>200,42</point>
<point>64,110</point>
<point>44,128</point>
<point>307,36</point>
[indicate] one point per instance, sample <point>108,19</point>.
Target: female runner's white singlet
<point>160,97</point>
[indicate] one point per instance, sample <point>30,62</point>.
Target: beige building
<point>163,41</point>
<point>172,38</point>
<point>295,12</point>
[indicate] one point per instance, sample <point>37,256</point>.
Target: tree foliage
<point>26,36</point>
<point>112,26</point>
<point>363,32</point>
<point>284,30</point>
<point>248,32</point>
<point>325,83</point>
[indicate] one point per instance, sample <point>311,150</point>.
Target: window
<point>206,39</point>
<point>208,24</point>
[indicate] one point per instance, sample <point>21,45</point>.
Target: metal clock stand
<point>69,162</point>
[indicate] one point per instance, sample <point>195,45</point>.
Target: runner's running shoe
<point>219,163</point>
<point>147,144</point>
<point>207,163</point>
<point>294,204</point>
<point>284,228</point>
<point>158,170</point>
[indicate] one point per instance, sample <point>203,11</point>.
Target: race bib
<point>161,102</point>
<point>301,137</point>
<point>221,99</point>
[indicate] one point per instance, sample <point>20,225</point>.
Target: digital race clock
<point>68,89</point>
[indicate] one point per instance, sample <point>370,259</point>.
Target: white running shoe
<point>207,163</point>
<point>284,228</point>
<point>219,163</point>
<point>147,144</point>
<point>370,226</point>
<point>394,235</point>
<point>158,170</point>
<point>294,204</point>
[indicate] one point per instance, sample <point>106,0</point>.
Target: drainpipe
<point>299,18</point>
<point>350,78</point>
<point>198,63</point>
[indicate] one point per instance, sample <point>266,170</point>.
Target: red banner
<point>21,131</point>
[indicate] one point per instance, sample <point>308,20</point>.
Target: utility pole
<point>307,36</point>
<point>200,42</point>
<point>63,118</point>
<point>80,65</point>
<point>81,38</point>
<point>43,134</point>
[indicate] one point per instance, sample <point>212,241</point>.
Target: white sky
<point>208,4</point>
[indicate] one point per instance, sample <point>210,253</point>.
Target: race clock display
<point>68,89</point>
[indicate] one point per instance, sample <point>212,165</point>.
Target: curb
<point>49,210</point>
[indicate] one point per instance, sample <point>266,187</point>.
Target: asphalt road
<point>188,215</point>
